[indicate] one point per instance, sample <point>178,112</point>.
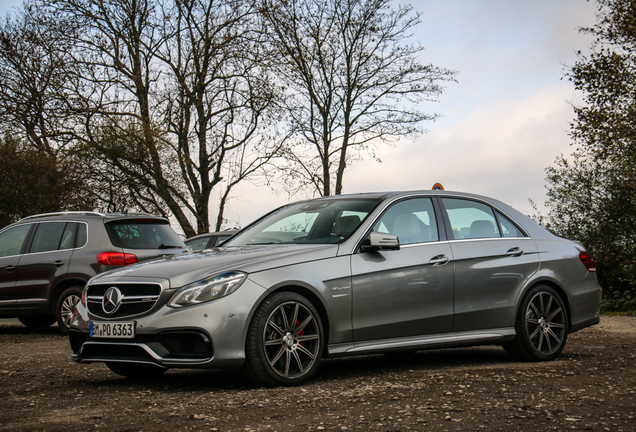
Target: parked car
<point>207,240</point>
<point>340,276</point>
<point>45,260</point>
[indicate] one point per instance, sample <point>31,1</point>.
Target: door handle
<point>58,263</point>
<point>514,252</point>
<point>9,268</point>
<point>439,260</point>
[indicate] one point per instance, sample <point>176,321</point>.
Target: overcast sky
<point>502,124</point>
<point>506,119</point>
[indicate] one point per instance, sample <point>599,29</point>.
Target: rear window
<point>142,234</point>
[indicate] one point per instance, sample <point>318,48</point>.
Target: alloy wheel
<point>67,309</point>
<point>291,340</point>
<point>545,323</point>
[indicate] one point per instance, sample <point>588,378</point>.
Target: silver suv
<point>45,260</point>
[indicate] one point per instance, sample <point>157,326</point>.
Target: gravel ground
<point>591,386</point>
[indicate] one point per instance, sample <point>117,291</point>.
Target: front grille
<point>136,299</point>
<point>119,352</point>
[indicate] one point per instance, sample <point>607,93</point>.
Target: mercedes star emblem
<point>112,300</point>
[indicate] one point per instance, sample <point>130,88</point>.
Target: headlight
<point>208,289</point>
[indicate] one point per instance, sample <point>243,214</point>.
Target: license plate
<point>114,329</point>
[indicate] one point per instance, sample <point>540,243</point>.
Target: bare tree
<point>219,101</point>
<point>38,175</point>
<point>167,101</point>
<point>113,90</point>
<point>163,94</point>
<point>33,71</point>
<point>353,82</point>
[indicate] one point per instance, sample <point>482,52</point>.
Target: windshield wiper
<point>163,246</point>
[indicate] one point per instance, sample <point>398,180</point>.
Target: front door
<point>47,260</point>
<point>11,242</point>
<point>406,292</point>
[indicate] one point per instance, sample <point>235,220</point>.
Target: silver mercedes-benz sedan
<point>340,276</point>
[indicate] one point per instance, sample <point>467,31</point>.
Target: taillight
<point>116,258</point>
<point>587,261</point>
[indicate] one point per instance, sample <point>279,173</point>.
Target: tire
<point>66,307</point>
<point>541,326</point>
<point>285,341</point>
<point>136,370</point>
<point>37,321</point>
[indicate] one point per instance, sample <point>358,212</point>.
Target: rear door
<point>46,261</point>
<point>11,244</point>
<point>493,261</point>
<point>406,292</point>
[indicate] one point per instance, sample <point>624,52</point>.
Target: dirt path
<point>592,386</point>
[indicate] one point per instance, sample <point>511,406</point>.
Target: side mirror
<point>380,241</point>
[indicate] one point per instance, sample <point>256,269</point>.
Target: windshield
<point>316,222</point>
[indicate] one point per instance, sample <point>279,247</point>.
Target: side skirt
<point>444,340</point>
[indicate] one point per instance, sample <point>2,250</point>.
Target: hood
<point>190,267</point>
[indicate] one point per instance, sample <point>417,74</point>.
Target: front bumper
<point>209,335</point>
<point>169,349</point>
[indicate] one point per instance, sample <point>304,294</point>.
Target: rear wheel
<point>135,370</point>
<point>285,341</point>
<point>66,307</point>
<point>37,321</point>
<point>541,326</point>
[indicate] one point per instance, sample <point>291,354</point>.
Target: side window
<point>412,221</point>
<point>197,245</point>
<point>68,236</point>
<point>507,227</point>
<point>48,236</point>
<point>471,219</point>
<point>81,235</point>
<point>11,240</point>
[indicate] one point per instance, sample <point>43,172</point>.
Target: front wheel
<point>285,341</point>
<point>541,326</point>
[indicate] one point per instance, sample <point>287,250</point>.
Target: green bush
<point>622,303</point>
